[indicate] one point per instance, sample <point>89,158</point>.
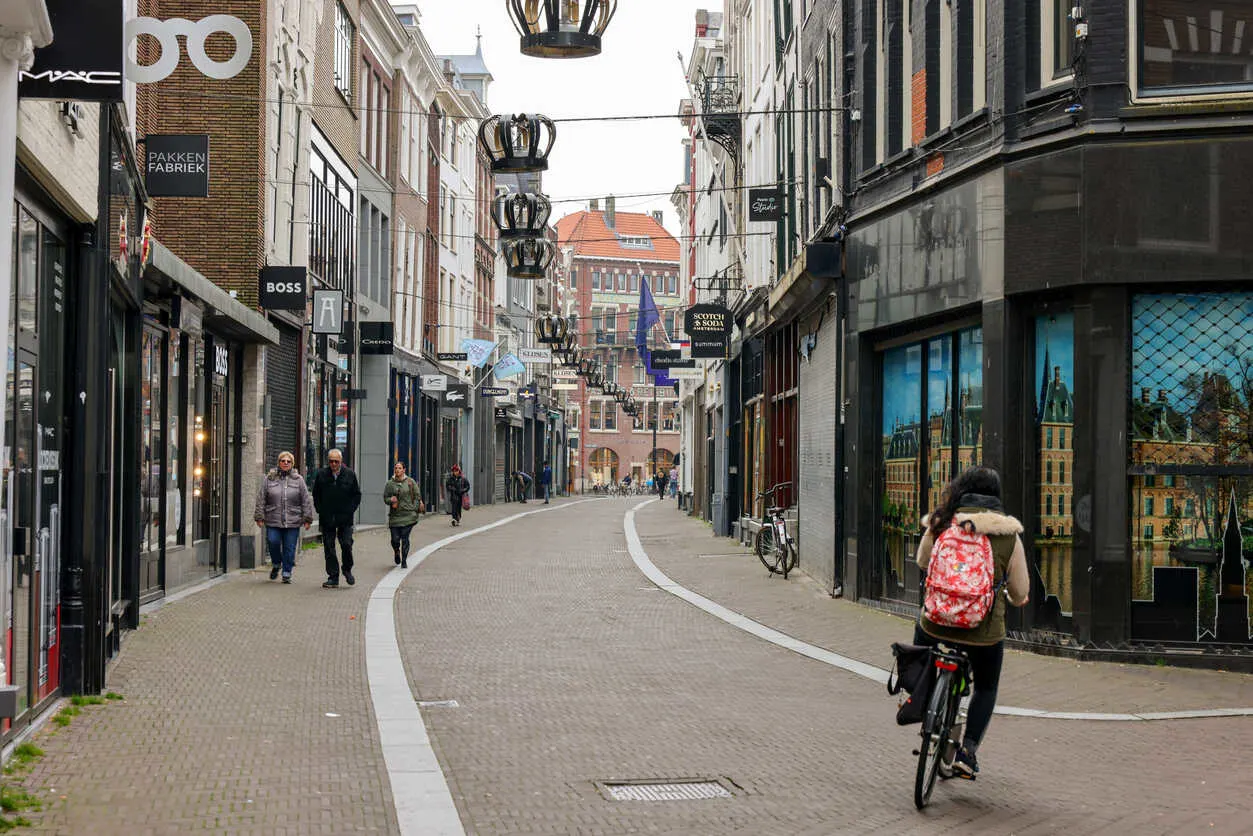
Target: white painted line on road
<point>424,804</point>
<point>875,674</point>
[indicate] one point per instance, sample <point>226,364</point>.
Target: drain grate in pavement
<point>438,704</point>
<point>674,791</point>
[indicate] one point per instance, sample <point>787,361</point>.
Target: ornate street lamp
<point>561,28</point>
<point>520,215</point>
<point>552,330</point>
<point>528,258</point>
<point>517,143</point>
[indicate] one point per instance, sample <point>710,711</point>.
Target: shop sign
<point>328,312</point>
<point>565,387</point>
<point>765,205</point>
<point>435,382</point>
<point>457,395</point>
<point>664,359</point>
<point>709,328</point>
<point>84,62</point>
<point>284,288</point>
<point>176,165</point>
<point>196,33</point>
<point>452,356</point>
<point>375,337</point>
<point>564,374</point>
<point>501,413</point>
<point>494,392</point>
<point>355,394</point>
<point>221,360</point>
<point>535,355</point>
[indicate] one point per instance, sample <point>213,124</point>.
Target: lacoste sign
<point>176,165</point>
<point>457,395</point>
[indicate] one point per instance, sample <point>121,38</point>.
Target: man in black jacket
<point>336,495</point>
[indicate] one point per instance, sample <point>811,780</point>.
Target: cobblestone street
<point>247,705</point>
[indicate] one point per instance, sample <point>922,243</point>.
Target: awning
<point>223,313</point>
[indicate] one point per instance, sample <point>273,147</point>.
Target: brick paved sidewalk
<point>720,569</point>
<point>225,726</point>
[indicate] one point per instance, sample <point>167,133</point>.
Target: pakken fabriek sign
<point>176,165</point>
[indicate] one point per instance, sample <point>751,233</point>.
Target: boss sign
<point>283,288</point>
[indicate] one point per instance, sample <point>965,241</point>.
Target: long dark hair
<point>984,482</point>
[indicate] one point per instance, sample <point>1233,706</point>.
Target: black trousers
<point>330,534</point>
<point>454,506</point>
<point>985,669</point>
<point>400,538</point>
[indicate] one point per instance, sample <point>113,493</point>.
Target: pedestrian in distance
<point>283,505</point>
<point>546,481</point>
<point>457,489</point>
<point>660,481</point>
<point>522,481</point>
<point>674,482</point>
<point>336,496</point>
<point>404,504</point>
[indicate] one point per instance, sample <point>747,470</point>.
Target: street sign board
<point>501,413</point>
<point>493,391</point>
<point>535,355</point>
<point>765,205</point>
<point>283,288</point>
<point>457,395</point>
<point>375,337</point>
<point>176,165</point>
<point>565,387</point>
<point>328,311</point>
<point>435,382</point>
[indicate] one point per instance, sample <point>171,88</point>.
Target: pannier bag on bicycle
<point>960,592</point>
<point>914,673</point>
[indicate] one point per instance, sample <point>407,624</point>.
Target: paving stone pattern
<point>571,669</point>
<point>223,728</point>
<point>720,569</point>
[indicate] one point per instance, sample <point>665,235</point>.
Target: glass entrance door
<point>23,499</point>
<point>217,474</point>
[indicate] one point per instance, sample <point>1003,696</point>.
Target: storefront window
<point>952,440</point>
<point>1192,421</point>
<point>176,421</point>
<point>199,448</point>
<point>1054,418</point>
<point>151,381</point>
<point>902,408</point>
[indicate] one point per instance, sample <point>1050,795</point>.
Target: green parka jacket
<point>409,501</point>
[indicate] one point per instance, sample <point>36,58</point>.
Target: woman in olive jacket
<point>973,500</point>
<point>283,505</point>
<point>404,504</point>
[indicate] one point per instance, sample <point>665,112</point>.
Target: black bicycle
<point>943,723</point>
<point>774,545</point>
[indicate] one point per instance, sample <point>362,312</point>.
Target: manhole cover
<point>438,704</point>
<point>677,791</point>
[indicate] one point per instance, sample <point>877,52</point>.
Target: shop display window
<point>1054,417</point>
<point>1191,468</point>
<point>919,459</point>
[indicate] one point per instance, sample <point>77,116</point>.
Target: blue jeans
<point>548,492</point>
<point>282,544</point>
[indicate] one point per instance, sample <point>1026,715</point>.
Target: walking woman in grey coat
<point>283,505</point>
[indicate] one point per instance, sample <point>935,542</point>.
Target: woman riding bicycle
<point>973,500</point>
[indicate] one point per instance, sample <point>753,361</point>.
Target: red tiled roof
<point>587,233</point>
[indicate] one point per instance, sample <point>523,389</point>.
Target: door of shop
<point>217,473</point>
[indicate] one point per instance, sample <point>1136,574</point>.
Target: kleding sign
<point>176,165</point>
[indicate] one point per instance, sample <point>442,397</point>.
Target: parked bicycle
<point>944,722</point>
<point>774,545</point>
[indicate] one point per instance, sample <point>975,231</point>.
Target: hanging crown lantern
<point>552,330</point>
<point>561,28</point>
<point>518,143</point>
<point>528,258</point>
<point>520,215</point>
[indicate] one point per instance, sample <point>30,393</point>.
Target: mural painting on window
<point>1191,482</point>
<point>1053,548</point>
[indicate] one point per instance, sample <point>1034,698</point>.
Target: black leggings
<point>400,538</point>
<point>985,669</point>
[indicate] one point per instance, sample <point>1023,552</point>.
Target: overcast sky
<point>638,72</point>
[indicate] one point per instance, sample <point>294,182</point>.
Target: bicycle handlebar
<point>769,491</point>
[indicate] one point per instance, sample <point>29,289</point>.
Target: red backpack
<point>960,591</point>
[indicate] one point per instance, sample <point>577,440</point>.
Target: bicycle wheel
<point>935,729</point>
<point>794,557</point>
<point>764,545</point>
